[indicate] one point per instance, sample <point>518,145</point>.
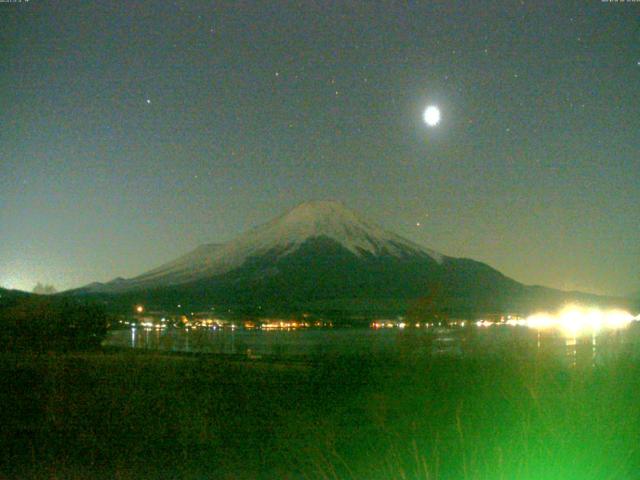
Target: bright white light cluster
<point>573,320</point>
<point>431,115</point>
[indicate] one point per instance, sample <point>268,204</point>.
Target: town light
<point>573,320</point>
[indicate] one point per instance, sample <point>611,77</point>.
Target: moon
<point>431,115</point>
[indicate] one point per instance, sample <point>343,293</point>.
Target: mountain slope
<point>321,256</point>
<point>277,238</point>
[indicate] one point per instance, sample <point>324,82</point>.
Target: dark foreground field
<point>129,415</point>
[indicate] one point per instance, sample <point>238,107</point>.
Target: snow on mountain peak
<point>332,219</point>
<point>283,235</point>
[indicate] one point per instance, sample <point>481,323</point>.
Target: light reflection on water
<point>595,348</point>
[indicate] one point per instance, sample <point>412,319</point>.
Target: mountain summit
<point>282,236</point>
<point>332,220</point>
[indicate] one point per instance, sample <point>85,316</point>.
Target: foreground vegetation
<point>38,323</point>
<point>149,415</point>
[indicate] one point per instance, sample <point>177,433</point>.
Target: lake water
<point>408,342</point>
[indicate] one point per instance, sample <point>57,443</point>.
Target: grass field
<point>130,415</point>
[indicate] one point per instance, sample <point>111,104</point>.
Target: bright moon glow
<point>431,116</point>
<point>574,320</point>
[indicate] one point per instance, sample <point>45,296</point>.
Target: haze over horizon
<point>133,133</point>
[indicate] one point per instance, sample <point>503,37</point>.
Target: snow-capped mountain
<point>323,257</point>
<point>281,236</point>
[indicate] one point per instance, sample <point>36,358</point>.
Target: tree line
<point>42,323</point>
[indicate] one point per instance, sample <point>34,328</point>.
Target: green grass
<point>144,415</point>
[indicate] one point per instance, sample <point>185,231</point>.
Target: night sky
<point>134,131</point>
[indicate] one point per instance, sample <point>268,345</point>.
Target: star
<point>148,101</point>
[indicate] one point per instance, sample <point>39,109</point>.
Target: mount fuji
<point>321,256</point>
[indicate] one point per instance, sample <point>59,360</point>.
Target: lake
<point>408,342</point>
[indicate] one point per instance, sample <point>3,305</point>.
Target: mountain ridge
<point>287,232</point>
<point>321,255</point>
